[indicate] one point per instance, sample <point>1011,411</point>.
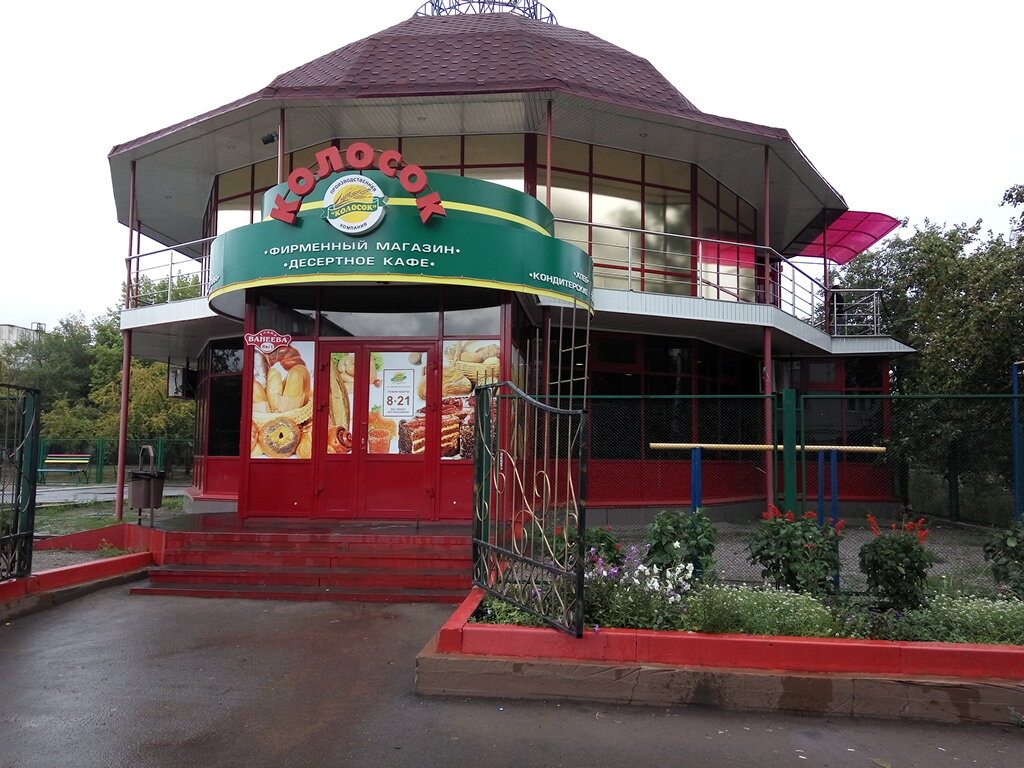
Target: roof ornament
<point>531,9</point>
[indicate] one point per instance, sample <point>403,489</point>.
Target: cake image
<point>467,437</point>
<point>412,435</point>
<point>450,428</point>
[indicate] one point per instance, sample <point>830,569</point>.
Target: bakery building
<point>463,199</point>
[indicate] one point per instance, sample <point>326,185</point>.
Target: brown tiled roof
<point>482,53</point>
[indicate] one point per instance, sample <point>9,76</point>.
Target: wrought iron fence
<point>530,486</point>
<point>19,436</point>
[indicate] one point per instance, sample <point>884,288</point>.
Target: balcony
<point>625,259</point>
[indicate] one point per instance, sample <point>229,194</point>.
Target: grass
<point>61,519</point>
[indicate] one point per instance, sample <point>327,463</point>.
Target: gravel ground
<point>47,559</point>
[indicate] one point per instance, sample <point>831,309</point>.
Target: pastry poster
<point>467,365</point>
<point>342,381</point>
<point>397,401</point>
<point>282,399</point>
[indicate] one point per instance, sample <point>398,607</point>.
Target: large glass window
<point>222,413</point>
<point>612,190</point>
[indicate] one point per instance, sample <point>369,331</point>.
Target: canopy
<point>849,234</point>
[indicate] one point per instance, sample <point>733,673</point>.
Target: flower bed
<point>801,654</point>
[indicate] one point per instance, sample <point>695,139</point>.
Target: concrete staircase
<point>406,566</point>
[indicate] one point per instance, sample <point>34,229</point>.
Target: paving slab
<point>117,680</point>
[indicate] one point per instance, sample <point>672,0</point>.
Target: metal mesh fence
<point>948,459</point>
<point>171,456</point>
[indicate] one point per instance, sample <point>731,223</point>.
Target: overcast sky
<point>910,108</point>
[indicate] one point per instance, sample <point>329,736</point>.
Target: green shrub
<point>678,537</point>
<point>896,563</point>
<point>1005,551</point>
<point>797,554</point>
<point>557,541</point>
<point>748,611</point>
<point>634,595</point>
<point>494,610</point>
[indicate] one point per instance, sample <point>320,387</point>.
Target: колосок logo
<point>354,205</point>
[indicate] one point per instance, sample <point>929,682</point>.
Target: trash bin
<point>146,490</point>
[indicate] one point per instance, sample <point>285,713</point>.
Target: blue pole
<point>821,488</point>
<point>835,487</point>
<point>696,478</point>
<point>1018,460</point>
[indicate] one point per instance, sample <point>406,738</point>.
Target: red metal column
<point>126,358</point>
<point>769,364</point>
<point>769,429</point>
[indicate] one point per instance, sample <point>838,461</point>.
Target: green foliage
<point>636,595</point>
<point>78,369</point>
<point>147,291</point>
<point>598,542</point>
<point>494,610</point>
<point>678,537</point>
<point>58,362</point>
<point>944,619</point>
<point>746,611</point>
<point>954,295</point>
<point>796,554</point>
<point>601,542</point>
<point>1005,553</point>
<point>628,597</point>
<point>896,563</point>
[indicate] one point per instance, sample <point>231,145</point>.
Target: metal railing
<point>625,259</point>
<point>166,275</point>
<point>631,259</point>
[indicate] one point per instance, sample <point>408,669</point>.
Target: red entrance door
<point>375,459</point>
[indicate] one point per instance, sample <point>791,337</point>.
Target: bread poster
<point>467,365</point>
<point>341,378</point>
<point>282,400</point>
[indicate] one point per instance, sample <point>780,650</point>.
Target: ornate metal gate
<point>19,457</point>
<point>530,487</point>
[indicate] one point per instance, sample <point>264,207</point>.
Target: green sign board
<point>364,227</point>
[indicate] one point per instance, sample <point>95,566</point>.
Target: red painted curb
<point>69,576</point>
<point>691,649</point>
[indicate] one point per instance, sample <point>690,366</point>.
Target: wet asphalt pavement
<point>137,681</point>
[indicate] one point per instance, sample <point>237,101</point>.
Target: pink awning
<point>847,236</point>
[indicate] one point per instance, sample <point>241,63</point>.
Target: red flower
<point>874,525</point>
<point>772,512</point>
<point>790,516</point>
<point>840,526</point>
<point>558,530</point>
<point>810,515</point>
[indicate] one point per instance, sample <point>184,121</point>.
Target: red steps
<point>314,566</point>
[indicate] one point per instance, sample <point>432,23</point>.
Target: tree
<point>78,369</point>
<point>58,363</point>
<point>957,297</point>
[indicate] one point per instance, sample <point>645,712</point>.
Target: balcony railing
<point>624,259</point>
<point>630,259</point>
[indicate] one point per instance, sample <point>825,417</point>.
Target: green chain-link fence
<point>949,459</point>
<point>171,456</point>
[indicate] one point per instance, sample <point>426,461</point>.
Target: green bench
<point>76,464</point>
